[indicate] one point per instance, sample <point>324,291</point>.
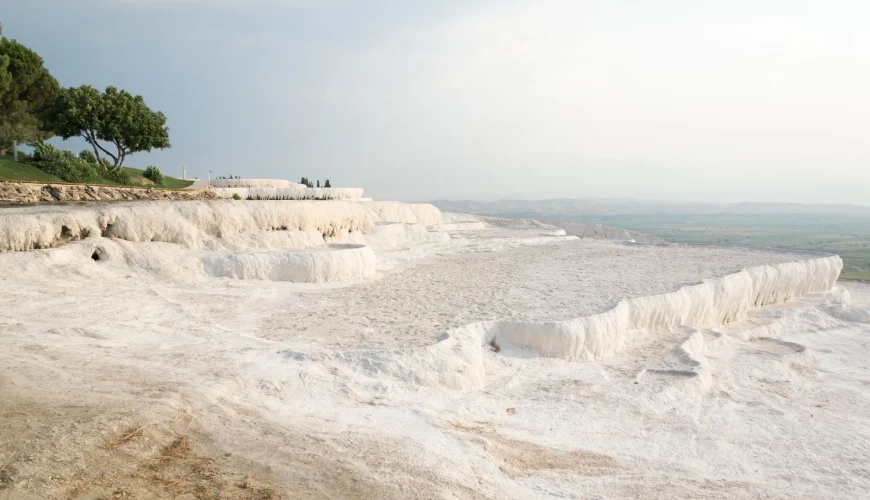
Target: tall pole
<point>209,178</point>
<point>14,150</point>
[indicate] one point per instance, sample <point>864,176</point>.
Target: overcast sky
<point>721,101</point>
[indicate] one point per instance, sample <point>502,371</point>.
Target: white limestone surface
<point>708,304</point>
<point>254,183</point>
<point>296,192</point>
<point>326,264</point>
<point>193,224</point>
<point>502,361</point>
<point>423,214</point>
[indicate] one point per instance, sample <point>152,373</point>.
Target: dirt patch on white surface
<point>524,458</point>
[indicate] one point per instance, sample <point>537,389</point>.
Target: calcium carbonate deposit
<point>276,189</point>
<point>361,349</point>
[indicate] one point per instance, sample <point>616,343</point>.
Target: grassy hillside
<point>12,171</point>
<point>168,182</point>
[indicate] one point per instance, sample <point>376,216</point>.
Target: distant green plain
<point>846,235</point>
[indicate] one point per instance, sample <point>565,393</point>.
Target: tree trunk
<point>14,150</point>
<point>91,137</point>
<point>96,150</point>
<point>119,161</point>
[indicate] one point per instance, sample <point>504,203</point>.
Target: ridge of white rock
<point>336,262</point>
<point>296,192</point>
<point>390,211</point>
<point>710,303</point>
<point>254,183</point>
<point>197,224</point>
<point>456,360</point>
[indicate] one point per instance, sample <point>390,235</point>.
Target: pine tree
<point>327,184</point>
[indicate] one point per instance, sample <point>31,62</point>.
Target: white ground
<point>328,390</point>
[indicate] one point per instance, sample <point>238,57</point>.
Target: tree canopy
<point>114,116</point>
<point>5,76</point>
<point>24,85</point>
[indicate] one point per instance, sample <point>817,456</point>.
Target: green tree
<point>131,126</point>
<point>5,76</point>
<point>76,112</point>
<point>114,116</point>
<point>29,86</point>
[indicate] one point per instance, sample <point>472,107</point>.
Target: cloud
<point>485,99</point>
<point>681,100</point>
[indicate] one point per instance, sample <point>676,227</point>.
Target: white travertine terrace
<point>442,354</point>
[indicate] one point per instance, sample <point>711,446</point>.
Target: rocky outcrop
<point>17,192</point>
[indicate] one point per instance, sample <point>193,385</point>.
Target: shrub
<point>236,196</point>
<point>81,168</point>
<point>154,174</point>
<point>118,176</point>
<point>64,164</point>
<point>88,156</point>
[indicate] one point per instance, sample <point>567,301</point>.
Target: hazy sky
<point>726,100</point>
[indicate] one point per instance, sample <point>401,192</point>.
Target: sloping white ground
<point>314,265</point>
<point>364,378</point>
<point>423,214</point>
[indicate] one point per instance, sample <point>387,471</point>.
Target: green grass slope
<point>17,171</point>
<point>12,171</point>
<point>168,182</point>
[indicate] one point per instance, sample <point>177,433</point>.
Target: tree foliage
<point>115,116</point>
<point>29,85</point>
<point>5,76</point>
